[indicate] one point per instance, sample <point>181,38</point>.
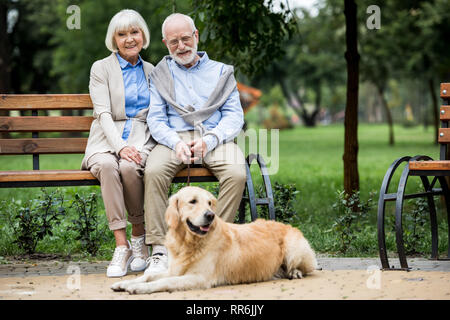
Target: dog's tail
<point>299,254</point>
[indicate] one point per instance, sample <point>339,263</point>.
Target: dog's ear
<point>213,203</point>
<point>172,215</point>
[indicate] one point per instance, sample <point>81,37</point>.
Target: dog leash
<point>189,174</point>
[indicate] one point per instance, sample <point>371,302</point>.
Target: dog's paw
<point>137,288</point>
<point>295,274</point>
<point>120,286</point>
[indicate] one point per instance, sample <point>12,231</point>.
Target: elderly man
<point>195,113</point>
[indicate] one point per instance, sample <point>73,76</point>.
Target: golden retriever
<point>204,251</point>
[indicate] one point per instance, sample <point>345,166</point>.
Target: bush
<point>284,196</point>
<point>352,212</point>
<point>33,221</point>
<point>86,225</point>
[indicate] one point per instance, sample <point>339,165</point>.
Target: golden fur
<point>203,254</point>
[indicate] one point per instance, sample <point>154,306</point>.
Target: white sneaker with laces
<point>158,263</point>
<point>122,258</point>
<point>140,254</point>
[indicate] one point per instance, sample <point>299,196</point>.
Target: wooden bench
<point>37,122</point>
<point>426,168</point>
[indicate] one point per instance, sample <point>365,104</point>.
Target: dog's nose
<point>209,215</point>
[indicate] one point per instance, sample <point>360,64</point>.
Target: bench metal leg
<point>250,194</point>
<point>383,198</point>
<point>446,193</point>
<point>398,218</point>
<point>268,200</point>
<point>433,219</point>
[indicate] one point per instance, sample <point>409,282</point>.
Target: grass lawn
<point>310,158</point>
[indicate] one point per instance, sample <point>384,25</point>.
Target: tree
<point>313,61</point>
<point>77,49</point>
<point>244,33</point>
<point>377,48</point>
<point>419,28</point>
<point>350,157</point>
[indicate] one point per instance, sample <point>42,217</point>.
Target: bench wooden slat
<point>429,165</point>
<point>45,101</point>
<point>444,135</point>
<point>42,145</point>
<point>72,175</point>
<point>198,172</point>
<point>445,90</point>
<point>45,175</point>
<point>445,113</point>
<point>45,124</point>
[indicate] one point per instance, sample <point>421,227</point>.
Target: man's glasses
<point>186,39</point>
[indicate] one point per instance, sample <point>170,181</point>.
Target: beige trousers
<point>122,186</point>
<point>226,162</point>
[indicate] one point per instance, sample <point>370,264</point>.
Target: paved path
<point>58,268</point>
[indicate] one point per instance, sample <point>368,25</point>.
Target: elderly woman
<point>119,139</point>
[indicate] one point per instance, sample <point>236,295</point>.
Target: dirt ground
<point>72,281</point>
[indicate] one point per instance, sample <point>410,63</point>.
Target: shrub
<point>351,212</point>
<point>33,221</point>
<point>414,228</point>
<point>89,233</point>
<point>284,196</point>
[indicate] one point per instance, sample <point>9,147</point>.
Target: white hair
<point>175,16</point>
<point>124,20</point>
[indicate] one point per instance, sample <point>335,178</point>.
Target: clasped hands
<point>186,152</point>
<point>191,151</point>
<point>130,154</point>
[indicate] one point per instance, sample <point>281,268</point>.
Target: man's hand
<point>130,154</point>
<point>198,148</point>
<point>183,152</point>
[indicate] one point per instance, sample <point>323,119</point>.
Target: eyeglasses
<point>186,39</point>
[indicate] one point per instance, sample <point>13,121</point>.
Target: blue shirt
<point>193,86</point>
<point>137,95</point>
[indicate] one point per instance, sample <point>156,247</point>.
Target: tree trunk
<point>388,114</point>
<point>5,64</point>
<point>435,109</point>
<point>4,50</point>
<point>350,157</point>
<point>298,106</point>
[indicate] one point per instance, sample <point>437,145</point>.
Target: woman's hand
<point>130,154</point>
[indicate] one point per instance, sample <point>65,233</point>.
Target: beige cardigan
<point>108,97</point>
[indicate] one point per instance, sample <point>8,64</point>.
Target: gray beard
<point>187,60</point>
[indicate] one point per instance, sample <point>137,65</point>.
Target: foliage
<point>349,221</point>
<point>285,200</point>
<point>33,221</point>
<point>86,225</point>
<point>312,63</point>
<point>78,49</point>
<point>309,158</point>
<point>414,227</point>
<point>285,197</point>
<point>244,33</point>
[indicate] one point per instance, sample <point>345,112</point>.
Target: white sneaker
<point>122,258</point>
<point>158,263</point>
<point>140,254</point>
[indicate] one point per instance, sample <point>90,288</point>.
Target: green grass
<point>310,158</point>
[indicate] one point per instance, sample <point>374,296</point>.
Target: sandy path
<point>325,284</point>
